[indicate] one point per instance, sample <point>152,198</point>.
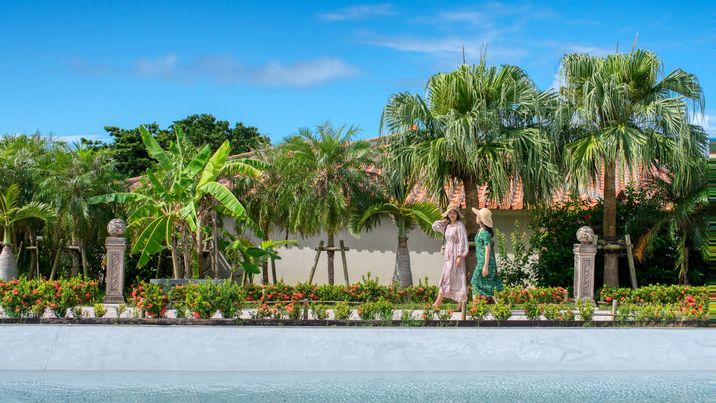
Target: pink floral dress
<point>452,281</point>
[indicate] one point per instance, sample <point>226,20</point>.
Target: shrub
<point>515,271</point>
<point>532,310</point>
<point>502,311</point>
<point>586,310</point>
<point>120,309</point>
<point>293,311</point>
<point>567,314</point>
<point>17,298</point>
<point>429,312</point>
<point>263,312</point>
<point>406,317</point>
<point>230,299</point>
<point>550,311</point>
<point>99,310</point>
<point>319,311</point>
<point>383,310</point>
<point>479,309</point>
<point>367,311</point>
<point>202,299</point>
<point>342,311</point>
<point>150,298</point>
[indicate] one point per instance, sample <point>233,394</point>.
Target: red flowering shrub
<point>150,298</point>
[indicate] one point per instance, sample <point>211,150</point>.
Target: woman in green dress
<point>485,280</point>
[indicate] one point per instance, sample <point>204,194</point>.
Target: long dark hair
<point>488,229</point>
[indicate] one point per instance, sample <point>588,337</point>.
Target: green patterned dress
<point>484,285</point>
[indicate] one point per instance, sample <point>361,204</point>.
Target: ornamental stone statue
<point>117,227</point>
<point>116,251</point>
<point>585,234</point>
<point>584,270</point>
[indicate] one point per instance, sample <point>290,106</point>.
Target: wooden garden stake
<point>315,262</point>
<point>305,309</point>
<point>630,260</point>
<point>345,265</point>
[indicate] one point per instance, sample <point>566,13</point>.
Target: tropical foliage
<point>617,111</point>
<point>477,125</point>
<point>327,176</point>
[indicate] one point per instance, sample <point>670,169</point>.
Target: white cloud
<point>358,12</point>
<point>225,70</point>
<point>448,48</point>
<point>162,67</point>
<point>703,121</point>
<point>555,82</point>
<point>85,69</point>
<point>592,50</point>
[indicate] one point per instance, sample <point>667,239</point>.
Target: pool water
<point>138,386</point>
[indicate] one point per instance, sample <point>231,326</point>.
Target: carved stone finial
<point>116,227</point>
<point>585,234</point>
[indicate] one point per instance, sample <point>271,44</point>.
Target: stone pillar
<point>584,256</point>
<point>116,252</point>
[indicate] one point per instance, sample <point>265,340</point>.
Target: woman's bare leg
<point>436,305</point>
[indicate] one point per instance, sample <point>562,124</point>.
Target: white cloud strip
<point>358,12</point>
<point>226,70</point>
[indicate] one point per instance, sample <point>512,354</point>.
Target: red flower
<point>586,217</point>
<point>609,299</point>
<point>196,314</point>
<point>87,295</point>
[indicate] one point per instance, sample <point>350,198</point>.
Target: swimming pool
<point>154,386</point>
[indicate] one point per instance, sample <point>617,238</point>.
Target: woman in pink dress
<point>452,281</point>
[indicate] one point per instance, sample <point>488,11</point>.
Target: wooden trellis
<point>320,249</point>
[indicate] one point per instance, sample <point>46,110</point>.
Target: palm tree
<point>267,200</point>
<point>406,215</point>
<point>74,178</point>
<point>24,160</point>
<point>326,172</point>
<point>685,221</point>
<point>11,212</point>
<point>620,114</point>
<point>478,125</point>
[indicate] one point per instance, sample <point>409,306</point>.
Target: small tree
<point>10,214</point>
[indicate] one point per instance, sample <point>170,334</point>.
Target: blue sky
<point>71,68</point>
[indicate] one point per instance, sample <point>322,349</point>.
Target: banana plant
<point>179,196</point>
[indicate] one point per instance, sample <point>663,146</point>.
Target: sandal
<point>458,309</point>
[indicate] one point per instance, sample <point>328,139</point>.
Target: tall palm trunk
<point>331,255</point>
<point>471,200</point>
<point>85,264</point>
<point>8,264</point>
<point>402,273</point>
<point>611,260</point>
<point>684,272</point>
<point>176,265</point>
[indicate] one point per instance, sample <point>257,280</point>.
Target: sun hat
<point>452,207</point>
<point>484,215</point>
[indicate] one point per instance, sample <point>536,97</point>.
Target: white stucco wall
<point>374,252</point>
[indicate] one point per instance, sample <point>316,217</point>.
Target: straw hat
<point>484,215</point>
<point>452,207</point>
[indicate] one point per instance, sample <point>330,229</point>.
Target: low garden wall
<point>246,348</point>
